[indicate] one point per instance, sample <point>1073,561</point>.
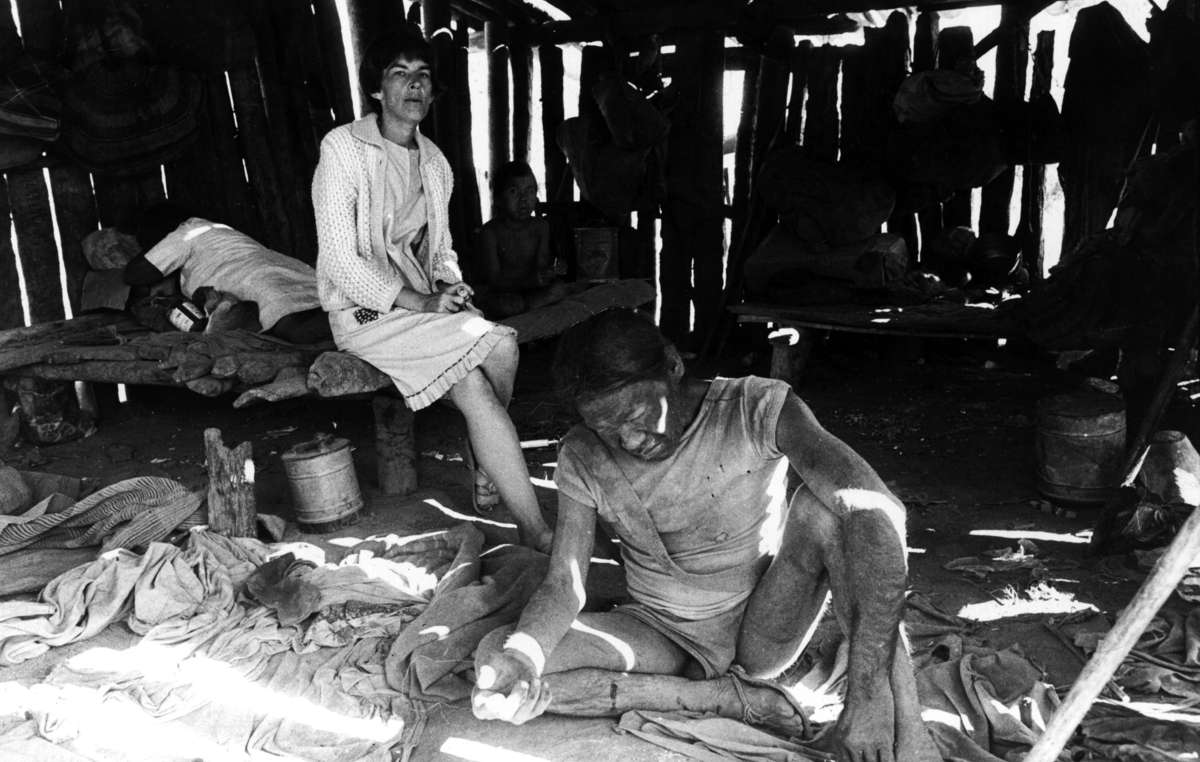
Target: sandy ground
<point>951,431</point>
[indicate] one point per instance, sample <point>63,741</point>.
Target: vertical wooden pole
<point>41,28</point>
<point>336,77</point>
<point>692,216</point>
<point>929,219</point>
<point>395,445</point>
<point>558,180</point>
<point>743,155</point>
<point>11,314</point>
<point>857,83</point>
<point>821,122</point>
<point>1012,56</point>
<point>75,207</point>
<point>439,124</point>
<point>893,56</point>
<point>953,45</point>
<point>1033,197</point>
<point>231,508</point>
<point>522,101</point>
<point>495,36</point>
<point>365,19</point>
<point>466,185</point>
<point>795,109</point>
<point>29,203</point>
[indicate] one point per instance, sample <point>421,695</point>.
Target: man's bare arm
<point>872,519</point>
<point>560,597</point>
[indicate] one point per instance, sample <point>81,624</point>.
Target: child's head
<point>515,190</point>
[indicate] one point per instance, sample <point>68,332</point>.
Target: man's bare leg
<point>611,663</point>
<point>789,600</point>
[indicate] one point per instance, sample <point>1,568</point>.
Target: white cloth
<point>353,268</point>
<point>210,254</point>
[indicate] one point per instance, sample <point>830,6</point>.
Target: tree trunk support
<point>395,445</point>
<point>231,507</point>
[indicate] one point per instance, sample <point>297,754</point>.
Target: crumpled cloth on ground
<point>1140,732</point>
<point>713,739</point>
<point>1166,659</point>
<point>127,514</point>
<point>427,660</point>
<point>221,676</point>
<point>167,594</point>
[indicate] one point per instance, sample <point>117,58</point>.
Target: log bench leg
<point>231,507</point>
<point>790,348</point>
<point>395,445</point>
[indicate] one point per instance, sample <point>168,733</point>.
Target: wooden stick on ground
<point>1169,570</point>
<point>231,508</point>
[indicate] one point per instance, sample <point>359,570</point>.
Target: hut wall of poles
<point>273,79</point>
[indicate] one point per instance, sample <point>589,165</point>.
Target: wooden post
<point>29,202</point>
<point>821,122</point>
<point>795,109</point>
<point>395,445</point>
<point>693,214</point>
<point>495,36</point>
<point>1033,196</point>
<point>231,508</point>
<point>929,219</point>
<point>334,75</point>
<point>466,184</point>
<point>11,314</point>
<point>1012,55</point>
<point>953,45</point>
<point>522,99</point>
<point>1118,641</point>
<point>790,349</point>
<point>743,155</point>
<point>558,180</point>
<point>892,56</point>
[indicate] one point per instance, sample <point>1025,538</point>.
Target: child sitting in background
<point>515,266</point>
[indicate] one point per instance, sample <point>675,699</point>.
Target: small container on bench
<point>324,486</point>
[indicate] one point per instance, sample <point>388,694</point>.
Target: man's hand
<point>507,688</point>
<point>866,729</point>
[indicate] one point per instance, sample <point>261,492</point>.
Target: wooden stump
<point>789,353</point>
<point>231,509</point>
<point>395,446</point>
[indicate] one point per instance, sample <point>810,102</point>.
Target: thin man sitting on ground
<point>215,256</point>
<point>687,474</point>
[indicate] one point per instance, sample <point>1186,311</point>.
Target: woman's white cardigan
<point>353,268</point>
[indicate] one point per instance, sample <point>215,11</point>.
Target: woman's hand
<point>454,297</point>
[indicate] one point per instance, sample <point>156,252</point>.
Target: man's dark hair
<point>157,220</point>
<point>509,172</point>
<point>405,40</point>
<point>608,351</point>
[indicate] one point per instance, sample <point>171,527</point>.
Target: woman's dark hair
<point>508,172</point>
<point>405,41</point>
<point>608,351</point>
<point>157,221</point>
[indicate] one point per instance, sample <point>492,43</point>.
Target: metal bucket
<point>1080,446</point>
<point>324,486</point>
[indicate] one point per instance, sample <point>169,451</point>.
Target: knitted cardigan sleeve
<point>335,202</point>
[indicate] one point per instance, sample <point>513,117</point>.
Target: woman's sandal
<point>485,495</point>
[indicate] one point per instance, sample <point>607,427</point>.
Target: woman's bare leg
<point>498,451</point>
<point>500,367</point>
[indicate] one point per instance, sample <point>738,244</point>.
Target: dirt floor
<point>949,427</point>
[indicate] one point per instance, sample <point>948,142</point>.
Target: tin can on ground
<point>1080,446</point>
<point>324,486</point>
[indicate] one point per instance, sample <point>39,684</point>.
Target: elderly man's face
<point>406,90</point>
<point>642,418</point>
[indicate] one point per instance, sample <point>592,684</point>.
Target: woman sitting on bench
<point>390,281</point>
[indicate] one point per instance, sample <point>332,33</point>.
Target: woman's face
<point>405,90</point>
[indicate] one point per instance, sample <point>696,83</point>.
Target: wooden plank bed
<point>113,348</point>
<point>793,326</point>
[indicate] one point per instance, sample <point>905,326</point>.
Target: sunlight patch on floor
<point>1041,599</point>
<point>1078,538</point>
<point>475,751</point>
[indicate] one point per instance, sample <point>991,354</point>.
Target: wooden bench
<point>113,348</point>
<point>793,327</point>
